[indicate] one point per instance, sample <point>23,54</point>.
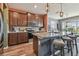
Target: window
<point>52,25</point>
<point>71,26</point>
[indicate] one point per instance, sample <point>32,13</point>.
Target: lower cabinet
<point>22,37</point>
<point>17,38</point>
<point>12,39</point>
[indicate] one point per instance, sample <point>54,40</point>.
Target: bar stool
<point>68,41</point>
<point>74,38</point>
<point>58,44</point>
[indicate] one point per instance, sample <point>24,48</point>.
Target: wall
<point>52,24</point>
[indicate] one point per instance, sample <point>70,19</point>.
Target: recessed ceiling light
<point>35,6</point>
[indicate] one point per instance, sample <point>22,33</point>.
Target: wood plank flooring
<point>25,49</point>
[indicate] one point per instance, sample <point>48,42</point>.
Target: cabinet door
<point>13,18</point>
<point>22,38</point>
<point>31,18</point>
<point>35,18</point>
<point>12,39</point>
<point>22,19</point>
<point>10,18</point>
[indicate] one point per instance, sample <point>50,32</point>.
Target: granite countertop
<point>24,32</point>
<point>42,35</point>
<point>17,32</point>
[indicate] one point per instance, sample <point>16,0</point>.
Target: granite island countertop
<point>42,43</point>
<point>42,35</point>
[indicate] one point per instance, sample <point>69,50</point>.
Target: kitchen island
<point>42,43</point>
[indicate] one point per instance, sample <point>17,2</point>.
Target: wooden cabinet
<point>17,38</point>
<point>35,45</point>
<point>17,19</point>
<point>31,17</point>
<point>22,19</point>
<point>22,37</point>
<point>36,19</point>
<point>12,18</point>
<point>12,39</point>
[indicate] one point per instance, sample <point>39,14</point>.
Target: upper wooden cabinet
<point>35,18</point>
<point>31,17</point>
<point>12,18</point>
<point>22,19</point>
<point>16,18</point>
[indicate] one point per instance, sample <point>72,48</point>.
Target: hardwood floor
<point>25,49</point>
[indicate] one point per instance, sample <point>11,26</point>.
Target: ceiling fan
<point>61,13</point>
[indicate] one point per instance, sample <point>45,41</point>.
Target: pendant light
<point>61,12</point>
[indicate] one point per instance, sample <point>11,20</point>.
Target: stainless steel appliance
<point>1,32</point>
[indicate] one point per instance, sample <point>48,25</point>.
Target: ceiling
<point>69,9</point>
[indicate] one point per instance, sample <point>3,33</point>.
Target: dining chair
<point>58,44</point>
<point>74,39</point>
<point>68,42</point>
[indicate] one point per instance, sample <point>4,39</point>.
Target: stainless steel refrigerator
<point>1,32</point>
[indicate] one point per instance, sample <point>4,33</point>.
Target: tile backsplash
<point>25,29</point>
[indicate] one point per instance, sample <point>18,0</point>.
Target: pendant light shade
<point>61,12</point>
